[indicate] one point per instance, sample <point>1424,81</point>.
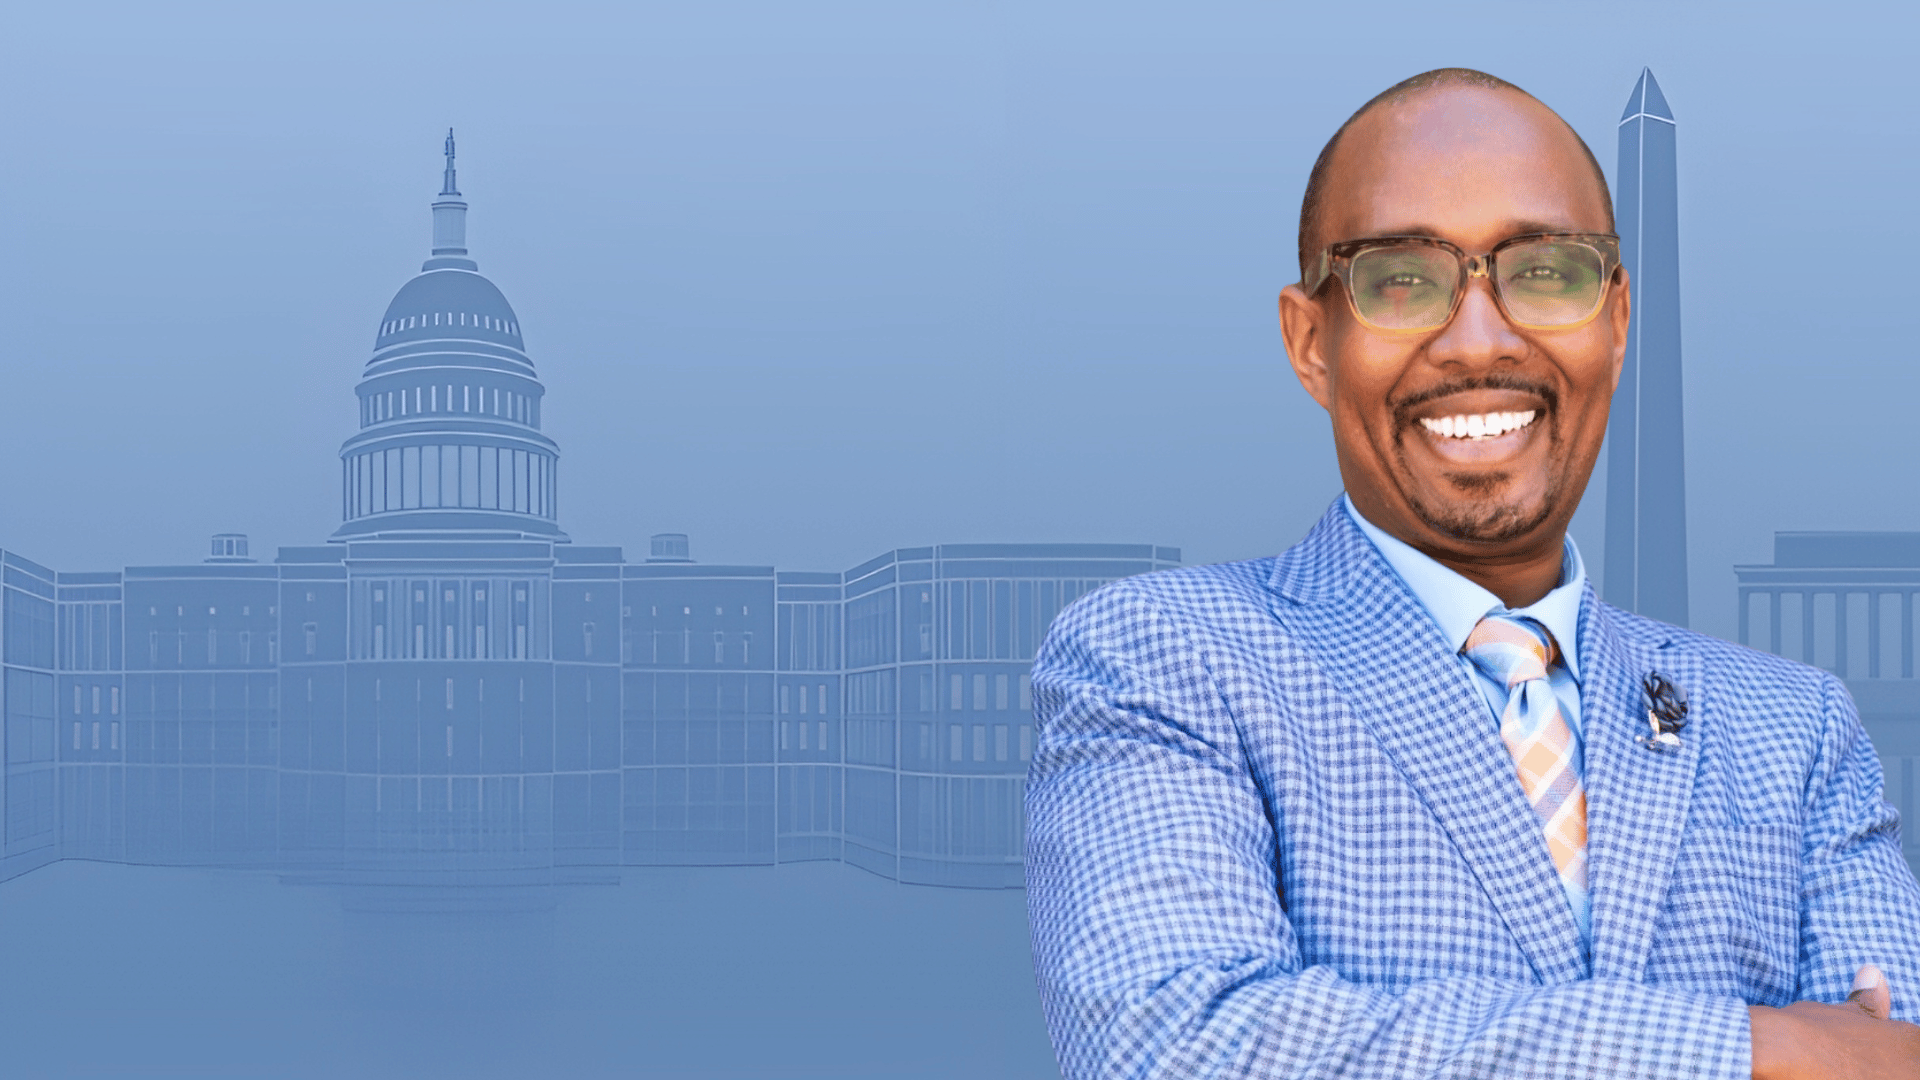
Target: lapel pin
<point>1666,712</point>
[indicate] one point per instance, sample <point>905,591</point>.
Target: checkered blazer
<point>1272,832</point>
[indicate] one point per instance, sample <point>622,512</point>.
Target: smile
<point>1479,426</point>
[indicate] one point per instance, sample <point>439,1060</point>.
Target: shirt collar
<point>1457,605</point>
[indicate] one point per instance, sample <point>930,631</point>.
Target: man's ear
<point>1302,327</point>
<point>1622,315</point>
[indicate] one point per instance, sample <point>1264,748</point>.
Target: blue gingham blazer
<point>1272,832</point>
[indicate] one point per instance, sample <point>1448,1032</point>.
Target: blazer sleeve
<point>1858,900</point>
<point>1160,943</point>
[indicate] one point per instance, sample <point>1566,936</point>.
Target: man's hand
<point>1850,1041</point>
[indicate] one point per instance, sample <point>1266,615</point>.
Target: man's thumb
<point>1871,993</point>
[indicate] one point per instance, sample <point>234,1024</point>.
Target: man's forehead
<point>1465,163</point>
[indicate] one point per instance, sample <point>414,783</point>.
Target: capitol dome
<point>449,441</point>
<point>427,306</point>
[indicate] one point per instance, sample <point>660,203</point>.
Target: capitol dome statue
<point>449,443</point>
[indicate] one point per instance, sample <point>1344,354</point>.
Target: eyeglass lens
<point>1413,286</point>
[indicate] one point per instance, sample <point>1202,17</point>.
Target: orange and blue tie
<point>1516,652</point>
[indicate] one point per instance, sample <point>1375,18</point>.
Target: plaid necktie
<point>1515,652</point>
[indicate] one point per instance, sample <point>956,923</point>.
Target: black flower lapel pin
<point>1666,711</point>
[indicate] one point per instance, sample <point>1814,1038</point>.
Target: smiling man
<point>1408,800</point>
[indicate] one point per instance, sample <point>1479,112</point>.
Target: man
<point>1408,800</point>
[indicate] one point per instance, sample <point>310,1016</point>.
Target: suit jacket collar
<point>1405,685</point>
<point>1637,795</point>
<point>1319,568</point>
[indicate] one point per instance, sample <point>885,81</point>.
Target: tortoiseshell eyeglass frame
<point>1336,260</point>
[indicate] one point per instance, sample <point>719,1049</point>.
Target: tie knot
<point>1510,650</point>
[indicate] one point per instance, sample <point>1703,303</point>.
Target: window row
<point>999,620</point>
<point>246,610</point>
<point>789,727</point>
<point>450,319</point>
<point>803,694</point>
<point>168,696</point>
<point>90,636</point>
<point>183,647</point>
<point>871,693</point>
<point>958,699</point>
<point>810,636</point>
<point>113,737</point>
<point>974,742</point>
<point>957,620</point>
<point>110,695</point>
<point>449,399</point>
<point>686,610</point>
<point>686,647</point>
<point>485,619</point>
<point>452,477</point>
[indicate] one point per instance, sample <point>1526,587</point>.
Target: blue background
<point>807,283</point>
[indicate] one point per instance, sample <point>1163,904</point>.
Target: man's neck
<point>1517,579</point>
<point>1519,573</point>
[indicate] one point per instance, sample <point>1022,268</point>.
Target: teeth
<point>1482,426</point>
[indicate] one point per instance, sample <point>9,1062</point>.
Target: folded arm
<point>1160,940</point>
<point>1859,912</point>
<point>1859,903</point>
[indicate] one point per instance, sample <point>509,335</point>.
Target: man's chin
<point>1482,521</point>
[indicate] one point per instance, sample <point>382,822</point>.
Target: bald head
<point>1422,418</point>
<point>1426,109</point>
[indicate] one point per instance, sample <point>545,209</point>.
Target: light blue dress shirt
<point>1457,605</point>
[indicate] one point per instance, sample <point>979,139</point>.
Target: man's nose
<point>1479,333</point>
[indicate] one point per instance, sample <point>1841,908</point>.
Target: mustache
<point>1403,407</point>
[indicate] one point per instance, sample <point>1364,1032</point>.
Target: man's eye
<point>1540,273</point>
<point>1403,281</point>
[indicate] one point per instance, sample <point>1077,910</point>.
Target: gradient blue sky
<point>812,281</point>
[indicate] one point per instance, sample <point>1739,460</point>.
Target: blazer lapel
<point>1397,675</point>
<point>1637,796</point>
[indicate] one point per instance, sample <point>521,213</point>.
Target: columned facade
<point>451,689</point>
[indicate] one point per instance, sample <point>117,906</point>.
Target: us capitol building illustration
<point>449,685</point>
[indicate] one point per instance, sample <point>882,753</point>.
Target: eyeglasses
<point>1543,281</point>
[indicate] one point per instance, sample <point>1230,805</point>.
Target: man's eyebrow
<point>1523,227</point>
<point>1410,230</point>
